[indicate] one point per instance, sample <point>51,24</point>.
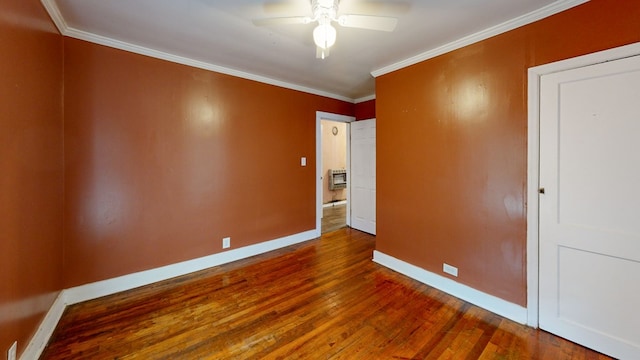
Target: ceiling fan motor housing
<point>325,10</point>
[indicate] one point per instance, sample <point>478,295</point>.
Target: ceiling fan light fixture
<point>322,53</point>
<point>325,12</point>
<point>324,35</point>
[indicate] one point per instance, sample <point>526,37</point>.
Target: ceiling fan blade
<point>285,7</point>
<point>293,20</point>
<point>321,53</point>
<point>380,23</point>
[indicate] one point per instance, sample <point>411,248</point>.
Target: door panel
<point>363,175</point>
<point>590,211</point>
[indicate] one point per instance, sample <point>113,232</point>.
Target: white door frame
<point>320,115</point>
<point>533,158</point>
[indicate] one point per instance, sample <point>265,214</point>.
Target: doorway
<point>341,122</point>
<point>583,254</point>
<point>334,175</point>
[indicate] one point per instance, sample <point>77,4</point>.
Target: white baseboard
<point>45,330</point>
<point>122,283</point>
<point>496,305</point>
<point>126,282</point>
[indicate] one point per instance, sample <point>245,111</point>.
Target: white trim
<point>40,339</point>
<point>127,282</point>
<point>491,303</point>
<point>65,30</point>
<point>349,173</point>
<point>321,115</point>
<point>533,166</point>
<point>122,283</point>
<point>533,158</point>
<point>551,9</point>
<point>56,16</point>
<point>63,27</point>
<point>365,98</point>
<point>101,40</point>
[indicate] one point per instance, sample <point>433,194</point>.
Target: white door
<point>590,210</point>
<point>363,175</point>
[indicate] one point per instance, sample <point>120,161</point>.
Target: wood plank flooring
<point>323,299</point>
<point>334,218</point>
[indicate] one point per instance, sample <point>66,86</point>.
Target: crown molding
<point>56,16</point>
<point>365,98</point>
<point>551,9</point>
<point>65,30</point>
<point>121,45</point>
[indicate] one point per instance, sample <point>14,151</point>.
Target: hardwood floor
<point>323,299</point>
<point>334,217</point>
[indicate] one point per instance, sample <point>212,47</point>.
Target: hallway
<point>334,217</point>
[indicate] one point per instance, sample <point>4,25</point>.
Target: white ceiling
<point>219,35</point>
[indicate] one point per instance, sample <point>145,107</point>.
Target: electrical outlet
<point>226,242</point>
<point>13,351</point>
<point>451,270</point>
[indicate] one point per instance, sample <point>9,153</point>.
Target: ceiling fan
<point>325,12</point>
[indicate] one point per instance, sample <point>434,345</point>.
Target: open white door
<point>589,224</point>
<point>363,175</point>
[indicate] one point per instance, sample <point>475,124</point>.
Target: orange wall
<point>458,139</point>
<point>365,110</point>
<point>31,183</point>
<point>164,160</point>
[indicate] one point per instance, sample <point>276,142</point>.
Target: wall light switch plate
<point>303,161</point>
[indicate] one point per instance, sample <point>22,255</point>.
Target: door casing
<point>320,115</point>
